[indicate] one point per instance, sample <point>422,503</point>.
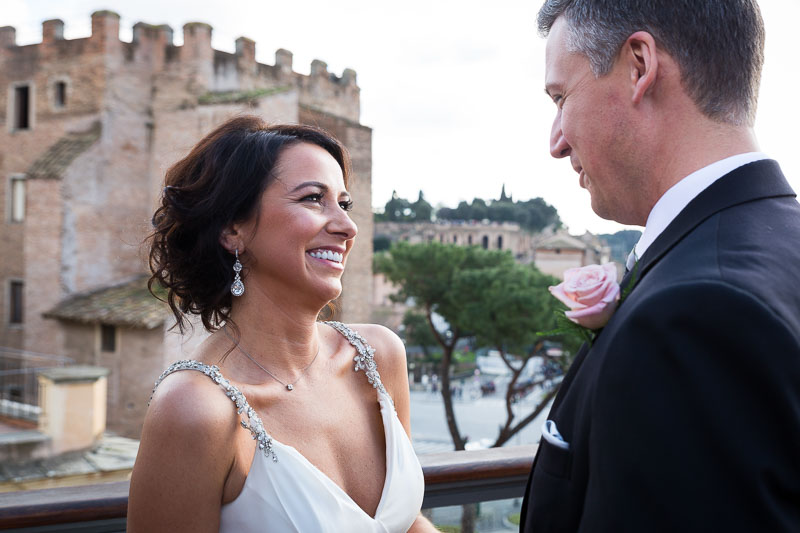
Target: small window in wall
<point>108,338</point>
<point>17,204</point>
<point>22,107</point>
<point>60,94</point>
<point>469,239</point>
<point>499,242</point>
<point>15,302</point>
<point>455,239</point>
<point>485,242</point>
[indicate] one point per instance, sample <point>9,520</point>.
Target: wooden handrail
<point>450,478</point>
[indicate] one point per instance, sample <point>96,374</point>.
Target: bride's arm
<point>184,458</point>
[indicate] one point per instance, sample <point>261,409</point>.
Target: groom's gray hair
<point>718,44</point>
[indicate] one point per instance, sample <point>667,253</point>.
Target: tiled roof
<point>110,454</point>
<point>127,304</point>
<point>562,241</point>
<point>53,163</point>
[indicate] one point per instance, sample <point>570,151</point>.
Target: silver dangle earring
<point>237,289</point>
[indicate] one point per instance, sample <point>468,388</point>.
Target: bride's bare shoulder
<point>390,352</point>
<point>187,403</point>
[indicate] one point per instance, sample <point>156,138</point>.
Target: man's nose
<point>559,147</point>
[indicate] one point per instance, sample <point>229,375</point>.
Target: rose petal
<point>594,317</point>
<point>563,297</point>
<point>611,271</point>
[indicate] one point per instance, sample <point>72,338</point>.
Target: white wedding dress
<point>285,493</point>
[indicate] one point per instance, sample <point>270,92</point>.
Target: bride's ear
<point>231,239</point>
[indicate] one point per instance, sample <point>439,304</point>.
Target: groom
<point>684,415</point>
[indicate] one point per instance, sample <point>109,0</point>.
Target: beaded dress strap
<point>255,425</point>
<point>365,355</point>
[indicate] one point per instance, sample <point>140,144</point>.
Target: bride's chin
<point>328,293</point>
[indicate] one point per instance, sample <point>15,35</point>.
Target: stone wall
<point>152,101</point>
<point>133,369</point>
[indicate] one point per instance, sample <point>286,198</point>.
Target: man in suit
<point>684,414</point>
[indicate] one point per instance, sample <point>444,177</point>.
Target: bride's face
<point>300,239</point>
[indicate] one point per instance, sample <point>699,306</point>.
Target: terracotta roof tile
<point>126,304</point>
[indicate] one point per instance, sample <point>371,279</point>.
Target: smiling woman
<point>266,207</point>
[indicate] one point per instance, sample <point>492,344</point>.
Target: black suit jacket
<point>685,413</point>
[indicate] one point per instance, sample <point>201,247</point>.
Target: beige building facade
<point>87,129</point>
<point>488,235</point>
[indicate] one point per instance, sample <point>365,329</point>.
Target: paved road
<point>480,419</point>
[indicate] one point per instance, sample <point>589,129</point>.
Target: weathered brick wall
<point>134,366</point>
<point>152,101</point>
<point>42,260</point>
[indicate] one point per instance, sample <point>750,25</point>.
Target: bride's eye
<point>346,205</point>
<point>316,197</point>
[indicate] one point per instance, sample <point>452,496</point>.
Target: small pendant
<point>289,387</point>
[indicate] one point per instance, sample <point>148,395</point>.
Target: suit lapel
<point>754,181</point>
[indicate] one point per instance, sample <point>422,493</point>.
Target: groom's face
<point>591,125</point>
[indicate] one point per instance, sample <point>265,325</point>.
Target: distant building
<point>488,235</point>
<point>560,251</point>
<point>552,252</point>
<point>89,127</point>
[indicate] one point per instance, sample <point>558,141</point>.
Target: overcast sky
<point>452,89</point>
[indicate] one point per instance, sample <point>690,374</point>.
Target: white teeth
<point>327,254</point>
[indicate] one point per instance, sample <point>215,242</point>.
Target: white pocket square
<point>550,434</point>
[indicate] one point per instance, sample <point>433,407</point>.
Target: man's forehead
<point>556,53</point>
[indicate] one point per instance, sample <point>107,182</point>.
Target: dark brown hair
<point>218,184</point>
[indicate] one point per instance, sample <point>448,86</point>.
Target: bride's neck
<point>283,333</point>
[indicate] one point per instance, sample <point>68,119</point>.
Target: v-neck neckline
<point>386,418</point>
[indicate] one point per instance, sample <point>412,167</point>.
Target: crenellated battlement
<point>204,70</point>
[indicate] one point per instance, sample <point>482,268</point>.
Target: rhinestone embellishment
<point>254,424</point>
<point>365,356</point>
<point>364,360</point>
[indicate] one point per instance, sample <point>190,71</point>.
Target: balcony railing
<point>451,478</point>
<point>19,388</point>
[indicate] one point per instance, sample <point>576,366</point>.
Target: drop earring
<point>237,289</point>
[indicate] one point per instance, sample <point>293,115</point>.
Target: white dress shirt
<point>679,195</point>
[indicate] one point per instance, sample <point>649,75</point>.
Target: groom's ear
<point>641,54</point>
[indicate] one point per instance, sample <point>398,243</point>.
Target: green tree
<point>478,292</point>
<point>417,332</point>
<point>397,209</point>
<point>504,307</point>
<point>422,210</point>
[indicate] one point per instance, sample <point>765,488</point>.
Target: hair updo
<point>218,184</point>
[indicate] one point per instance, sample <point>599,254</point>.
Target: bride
<point>280,422</point>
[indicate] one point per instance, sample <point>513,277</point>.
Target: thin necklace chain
<point>289,386</point>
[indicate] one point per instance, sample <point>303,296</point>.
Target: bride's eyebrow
<point>310,184</point>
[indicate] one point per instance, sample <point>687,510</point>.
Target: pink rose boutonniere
<point>591,293</point>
